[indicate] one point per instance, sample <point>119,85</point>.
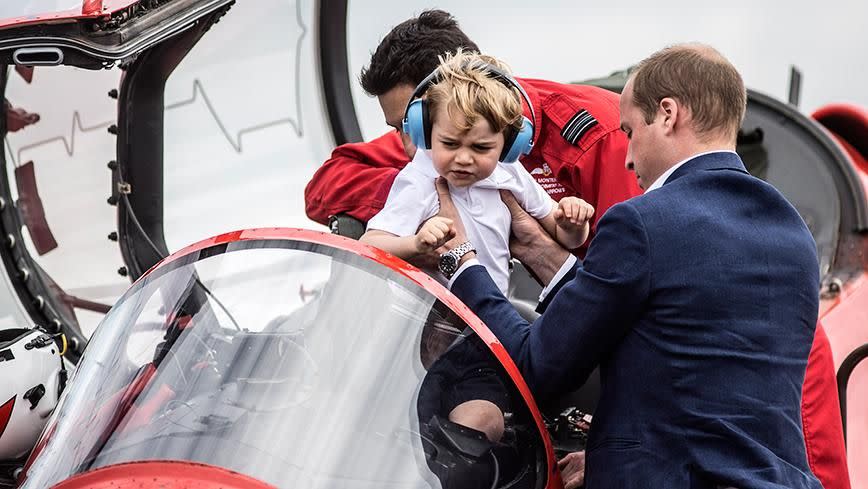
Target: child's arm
<point>569,223</point>
<point>434,233</point>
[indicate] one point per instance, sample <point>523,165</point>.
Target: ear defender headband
<point>417,120</point>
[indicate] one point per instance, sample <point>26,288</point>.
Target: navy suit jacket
<point>698,301</point>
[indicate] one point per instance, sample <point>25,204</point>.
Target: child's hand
<point>573,210</point>
<point>434,233</point>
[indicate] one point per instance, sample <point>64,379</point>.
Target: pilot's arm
<point>356,179</point>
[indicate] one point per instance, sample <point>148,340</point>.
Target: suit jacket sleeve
<point>585,320</point>
<point>542,306</point>
<point>356,179</point>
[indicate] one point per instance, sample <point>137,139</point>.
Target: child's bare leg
<point>480,415</point>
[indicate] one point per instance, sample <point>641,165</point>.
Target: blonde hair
<point>699,77</point>
<point>466,87</point>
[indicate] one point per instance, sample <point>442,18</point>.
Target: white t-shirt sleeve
<point>532,197</point>
<point>409,204</point>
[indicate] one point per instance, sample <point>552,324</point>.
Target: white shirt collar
<point>668,173</point>
<point>498,178</point>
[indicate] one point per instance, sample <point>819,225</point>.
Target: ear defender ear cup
<point>519,144</point>
<point>417,120</point>
<point>417,124</point>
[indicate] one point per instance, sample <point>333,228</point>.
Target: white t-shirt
<point>413,200</point>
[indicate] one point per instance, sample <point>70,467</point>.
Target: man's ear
<point>668,109</point>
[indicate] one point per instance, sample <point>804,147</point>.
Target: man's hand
<point>448,210</point>
<point>433,234</point>
<point>531,244</point>
<point>573,211</point>
<point>572,468</point>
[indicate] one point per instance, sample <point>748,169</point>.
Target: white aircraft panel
<point>244,126</point>
<point>566,40</point>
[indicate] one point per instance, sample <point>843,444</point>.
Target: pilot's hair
<point>410,51</point>
<point>700,78</point>
<point>466,88</point>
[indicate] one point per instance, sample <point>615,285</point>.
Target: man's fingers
<point>511,203</point>
<point>443,192</point>
<point>572,468</point>
<point>574,482</point>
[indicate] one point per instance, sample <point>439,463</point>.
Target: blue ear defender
<point>521,143</point>
<point>417,120</point>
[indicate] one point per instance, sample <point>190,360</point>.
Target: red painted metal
<point>407,270</point>
<point>848,125</point>
<point>847,120</point>
<point>88,10</point>
<point>845,315</point>
<point>91,7</point>
<point>6,413</point>
<point>162,475</point>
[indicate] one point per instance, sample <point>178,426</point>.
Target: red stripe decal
<point>6,413</point>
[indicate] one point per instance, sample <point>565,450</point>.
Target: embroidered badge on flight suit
<point>577,126</point>
<point>545,170</point>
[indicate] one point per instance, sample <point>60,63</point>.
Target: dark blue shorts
<point>465,372</point>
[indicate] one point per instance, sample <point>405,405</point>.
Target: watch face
<point>448,264</point>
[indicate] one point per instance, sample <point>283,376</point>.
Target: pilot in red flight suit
<point>578,150</point>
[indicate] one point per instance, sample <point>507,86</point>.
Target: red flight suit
<point>578,150</point>
<point>573,154</point>
<point>821,416</point>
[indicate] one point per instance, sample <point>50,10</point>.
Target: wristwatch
<point>449,261</point>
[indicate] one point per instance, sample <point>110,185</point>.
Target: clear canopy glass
<point>298,364</point>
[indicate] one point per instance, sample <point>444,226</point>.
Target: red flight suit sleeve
<point>821,417</point>
<point>356,179</point>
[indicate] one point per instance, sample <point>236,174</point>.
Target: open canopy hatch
<point>99,33</point>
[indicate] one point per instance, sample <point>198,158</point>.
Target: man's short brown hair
<point>698,77</point>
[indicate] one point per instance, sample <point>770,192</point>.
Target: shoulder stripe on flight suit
<point>577,126</point>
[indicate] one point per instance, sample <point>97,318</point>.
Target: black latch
<point>39,342</point>
<point>34,395</point>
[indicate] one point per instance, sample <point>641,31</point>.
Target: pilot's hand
<point>531,244</point>
<point>433,234</point>
<point>448,210</point>
<point>572,468</point>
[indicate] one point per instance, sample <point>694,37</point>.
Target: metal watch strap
<point>449,261</point>
<point>462,249</point>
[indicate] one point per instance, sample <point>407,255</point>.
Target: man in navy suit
<point>697,299</point>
